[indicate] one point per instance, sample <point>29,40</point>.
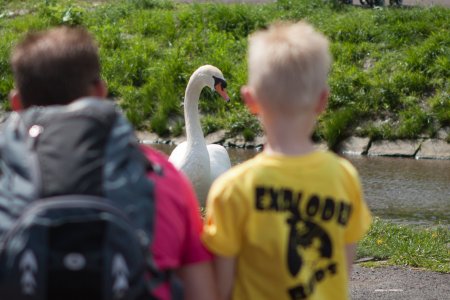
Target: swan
<point>201,163</point>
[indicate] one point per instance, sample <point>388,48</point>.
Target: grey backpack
<point>76,206</point>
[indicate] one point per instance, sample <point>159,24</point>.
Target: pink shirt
<point>178,223</point>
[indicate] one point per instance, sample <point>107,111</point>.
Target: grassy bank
<point>389,79</point>
<point>427,248</point>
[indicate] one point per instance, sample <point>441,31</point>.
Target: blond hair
<point>288,65</point>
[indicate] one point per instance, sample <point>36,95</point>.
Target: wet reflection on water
<point>406,189</point>
<point>398,189</point>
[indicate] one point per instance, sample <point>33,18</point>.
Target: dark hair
<point>56,66</point>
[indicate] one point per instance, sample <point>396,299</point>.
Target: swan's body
<point>202,164</point>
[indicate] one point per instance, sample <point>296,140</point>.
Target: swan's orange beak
<point>222,92</point>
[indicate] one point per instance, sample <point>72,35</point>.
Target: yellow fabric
<point>287,220</point>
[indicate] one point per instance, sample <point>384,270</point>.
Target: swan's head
<point>213,78</point>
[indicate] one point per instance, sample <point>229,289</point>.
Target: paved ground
<point>398,283</point>
<point>418,2</point>
<point>405,2</point>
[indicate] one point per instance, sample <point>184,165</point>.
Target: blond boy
<point>284,224</point>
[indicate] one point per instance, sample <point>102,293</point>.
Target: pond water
<point>398,189</point>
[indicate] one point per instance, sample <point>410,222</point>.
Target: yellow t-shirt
<point>287,220</point>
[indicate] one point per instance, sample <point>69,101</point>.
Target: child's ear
<point>100,89</point>
<point>323,101</point>
<point>15,100</point>
<point>248,95</point>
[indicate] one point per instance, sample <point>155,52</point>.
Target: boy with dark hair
<point>60,66</point>
<point>56,67</point>
<point>284,224</point>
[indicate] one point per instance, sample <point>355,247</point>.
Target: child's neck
<point>289,148</point>
<point>287,137</point>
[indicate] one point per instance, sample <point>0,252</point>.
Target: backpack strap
<point>125,176</point>
<point>19,171</point>
<point>121,145</point>
<point>168,276</point>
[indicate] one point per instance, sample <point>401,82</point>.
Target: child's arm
<point>198,281</point>
<point>350,253</point>
<point>223,231</point>
<point>224,269</point>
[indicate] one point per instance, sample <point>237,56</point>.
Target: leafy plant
<point>210,124</point>
<point>440,105</point>
<point>158,124</point>
<point>62,15</point>
<point>377,130</point>
<point>412,123</point>
<point>152,4</point>
<point>335,125</point>
<point>177,129</point>
<point>241,121</point>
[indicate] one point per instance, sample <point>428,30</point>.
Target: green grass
<point>389,78</point>
<point>407,245</point>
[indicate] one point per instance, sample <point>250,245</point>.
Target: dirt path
<point>398,283</point>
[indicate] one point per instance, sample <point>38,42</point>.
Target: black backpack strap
<point>123,144</point>
<point>125,176</point>
<point>160,277</point>
<point>19,171</point>
<point>176,287</point>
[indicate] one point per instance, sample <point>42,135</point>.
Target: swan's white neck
<point>194,133</point>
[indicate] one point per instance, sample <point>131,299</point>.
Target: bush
<point>57,14</point>
<point>335,125</point>
<point>440,105</point>
<point>210,124</point>
<point>412,123</point>
<point>152,4</point>
<point>240,121</point>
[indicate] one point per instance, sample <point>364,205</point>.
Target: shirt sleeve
<point>178,224</point>
<point>225,219</point>
<point>360,217</point>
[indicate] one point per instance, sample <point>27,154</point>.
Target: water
<point>398,189</point>
<point>406,190</point>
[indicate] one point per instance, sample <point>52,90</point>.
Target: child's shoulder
<point>346,164</point>
<point>341,165</point>
<point>160,160</point>
<point>243,169</point>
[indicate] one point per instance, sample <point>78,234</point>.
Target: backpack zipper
<point>34,132</point>
<point>56,202</point>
